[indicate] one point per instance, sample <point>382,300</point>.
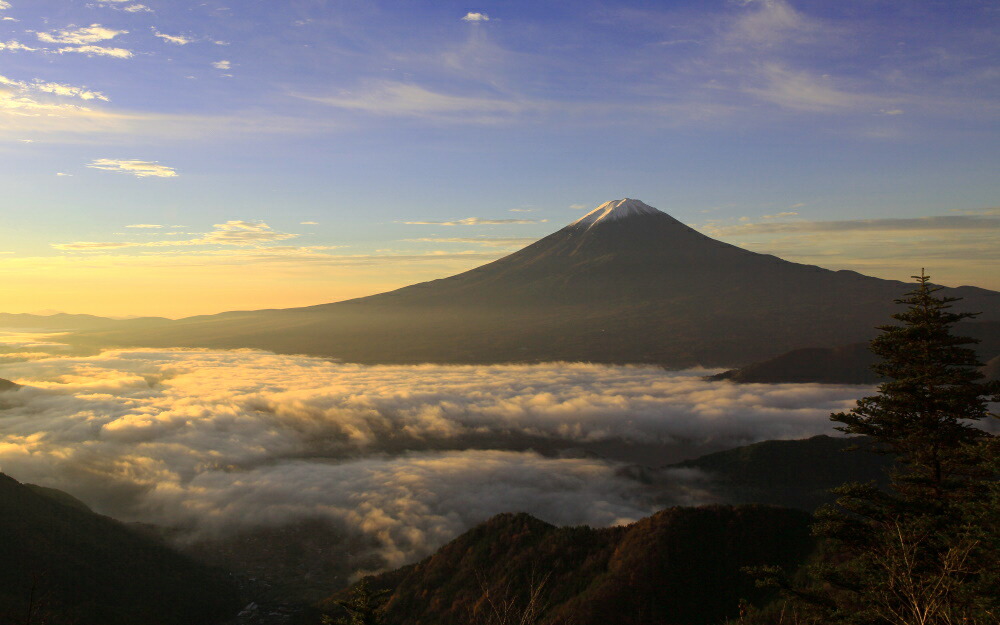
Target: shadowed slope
<point>679,566</point>
<point>75,566</point>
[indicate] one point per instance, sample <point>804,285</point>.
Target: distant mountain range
<point>851,364</point>
<point>624,284</point>
<point>65,321</point>
<point>797,473</point>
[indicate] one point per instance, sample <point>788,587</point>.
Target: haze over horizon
<point>178,160</point>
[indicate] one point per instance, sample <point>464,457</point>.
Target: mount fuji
<point>626,283</point>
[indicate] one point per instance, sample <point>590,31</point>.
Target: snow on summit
<point>614,210</point>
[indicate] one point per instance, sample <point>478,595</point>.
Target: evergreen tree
<point>364,606</point>
<point>925,413</point>
<point>925,551</point>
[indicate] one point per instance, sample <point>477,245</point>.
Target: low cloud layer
<point>406,456</point>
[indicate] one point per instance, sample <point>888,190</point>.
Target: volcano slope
<point>626,283</point>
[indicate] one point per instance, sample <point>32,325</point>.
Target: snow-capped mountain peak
<point>613,211</point>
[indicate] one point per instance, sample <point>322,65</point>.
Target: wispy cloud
<point>118,53</point>
<point>475,221</point>
<point>16,46</point>
<point>308,223</point>
<point>771,23</point>
<point>58,89</point>
<point>222,65</point>
<point>122,5</point>
<point>406,99</point>
<point>485,241</point>
<point>180,40</point>
<point>80,36</point>
<point>933,223</point>
<point>476,17</point>
<point>236,232</point>
<point>889,248</point>
<point>801,90</point>
<point>139,169</point>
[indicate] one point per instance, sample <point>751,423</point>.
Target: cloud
<point>308,223</point>
<point>80,36</point>
<point>27,109</point>
<point>68,90</point>
<point>222,65</point>
<point>180,40</point>
<point>216,441</point>
<point>474,221</point>
<point>801,90</point>
<point>476,17</point>
<point>770,23</point>
<point>934,223</point>
<point>406,99</point>
<point>892,248</point>
<point>15,46</point>
<point>59,173</point>
<point>4,5</point>
<point>243,233</point>
<point>237,232</point>
<point>139,169</point>
<point>781,215</point>
<point>118,53</point>
<point>58,89</point>
<point>488,242</point>
<point>578,207</point>
<point>131,8</point>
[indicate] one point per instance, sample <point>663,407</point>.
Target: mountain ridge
<point>638,288</point>
<point>681,566</point>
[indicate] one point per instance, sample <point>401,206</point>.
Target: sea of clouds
<point>214,441</point>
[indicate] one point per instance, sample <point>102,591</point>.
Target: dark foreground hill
<point>681,566</point>
<point>7,385</point>
<point>625,284</point>
<point>62,563</point>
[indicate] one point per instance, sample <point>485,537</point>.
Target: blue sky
<point>858,134</point>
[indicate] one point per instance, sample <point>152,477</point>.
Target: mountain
<point>626,283</point>
<point>846,364</point>
<point>680,566</point>
<point>851,364</point>
<point>66,321</point>
<point>73,566</point>
<point>797,474</point>
<point>7,385</point>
